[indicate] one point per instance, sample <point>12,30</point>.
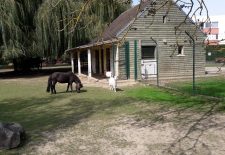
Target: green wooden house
<point>144,42</point>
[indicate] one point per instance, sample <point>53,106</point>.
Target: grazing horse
<point>61,77</point>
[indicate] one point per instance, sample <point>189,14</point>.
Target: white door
<point>148,62</point>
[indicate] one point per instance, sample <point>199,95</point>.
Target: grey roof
<point>122,21</point>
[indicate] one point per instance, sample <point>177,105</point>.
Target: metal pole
<point>193,84</point>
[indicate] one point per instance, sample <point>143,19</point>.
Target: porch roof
<point>95,44</point>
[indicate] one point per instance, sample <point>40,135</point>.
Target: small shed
<point>143,42</point>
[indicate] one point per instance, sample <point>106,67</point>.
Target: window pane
<point>207,25</point>
<point>148,52</point>
<point>214,24</point>
<point>180,50</point>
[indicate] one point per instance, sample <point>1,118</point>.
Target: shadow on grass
<point>31,73</point>
<point>38,115</point>
<point>65,92</point>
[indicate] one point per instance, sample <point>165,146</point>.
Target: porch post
<point>112,59</point>
<point>78,61</point>
<point>89,62</point>
<point>117,61</point>
<point>72,62</point>
<point>93,61</point>
<point>100,60</point>
<point>104,61</point>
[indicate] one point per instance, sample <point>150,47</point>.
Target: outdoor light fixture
<point>164,41</point>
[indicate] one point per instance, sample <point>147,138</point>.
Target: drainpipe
<point>193,41</point>
<point>157,60</point>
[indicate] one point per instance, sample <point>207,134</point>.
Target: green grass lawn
<point>28,104</point>
<point>213,86</point>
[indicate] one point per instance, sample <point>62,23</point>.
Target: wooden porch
<point>95,61</point>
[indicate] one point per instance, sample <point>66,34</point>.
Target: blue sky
<point>215,7</point>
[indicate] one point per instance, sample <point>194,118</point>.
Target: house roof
<point>117,26</point>
<point>120,23</point>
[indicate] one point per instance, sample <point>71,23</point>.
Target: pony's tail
<point>49,84</point>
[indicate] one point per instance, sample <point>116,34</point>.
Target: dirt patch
<point>194,133</point>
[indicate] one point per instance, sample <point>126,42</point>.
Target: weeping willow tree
<point>65,24</point>
<point>17,28</point>
<point>46,28</point>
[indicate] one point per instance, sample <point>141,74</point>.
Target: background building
<point>215,30</point>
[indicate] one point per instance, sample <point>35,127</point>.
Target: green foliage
<point>49,27</point>
<point>217,51</point>
<point>17,28</point>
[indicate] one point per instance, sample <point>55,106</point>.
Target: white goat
<point>112,81</point>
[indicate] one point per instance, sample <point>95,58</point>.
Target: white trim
<point>180,55</point>
<point>117,61</point>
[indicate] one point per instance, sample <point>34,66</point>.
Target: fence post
<point>193,84</point>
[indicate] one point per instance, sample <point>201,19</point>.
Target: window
<point>217,37</point>
<point>207,25</point>
<point>165,19</point>
<point>214,24</point>
<point>148,52</point>
<point>211,25</point>
<point>180,50</point>
<point>213,37</point>
<point>201,25</point>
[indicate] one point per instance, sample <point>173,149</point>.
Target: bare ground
<point>170,132</point>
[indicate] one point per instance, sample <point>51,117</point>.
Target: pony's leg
<point>71,86</point>
<point>67,87</point>
<point>53,84</point>
<point>114,89</point>
<point>51,87</point>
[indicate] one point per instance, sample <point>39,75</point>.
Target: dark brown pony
<point>61,77</point>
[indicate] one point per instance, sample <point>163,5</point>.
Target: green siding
<point>135,60</point>
<point>127,59</point>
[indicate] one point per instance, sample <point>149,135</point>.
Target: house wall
<point>148,27</point>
